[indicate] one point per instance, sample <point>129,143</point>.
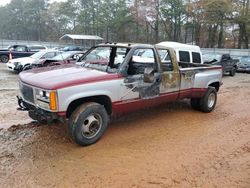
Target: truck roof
<point>127,45</point>
<point>179,46</point>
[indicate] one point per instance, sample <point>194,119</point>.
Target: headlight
<point>46,99</point>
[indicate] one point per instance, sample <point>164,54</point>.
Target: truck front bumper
<point>38,114</point>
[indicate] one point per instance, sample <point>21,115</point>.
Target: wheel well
<point>26,64</point>
<point>101,99</point>
<point>216,85</point>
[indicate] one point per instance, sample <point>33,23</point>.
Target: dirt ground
<point>168,146</point>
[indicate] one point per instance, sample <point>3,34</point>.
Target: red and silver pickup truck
<point>113,79</point>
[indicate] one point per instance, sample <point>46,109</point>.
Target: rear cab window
<point>184,56</point>
<point>196,57</point>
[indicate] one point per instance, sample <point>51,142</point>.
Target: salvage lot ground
<point>168,146</point>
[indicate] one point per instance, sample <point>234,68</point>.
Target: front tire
<point>26,67</point>
<point>88,123</point>
<point>4,58</point>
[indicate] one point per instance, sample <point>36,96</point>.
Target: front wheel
<point>88,123</point>
<point>4,58</point>
<point>26,67</point>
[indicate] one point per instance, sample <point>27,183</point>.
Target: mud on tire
<point>88,123</point>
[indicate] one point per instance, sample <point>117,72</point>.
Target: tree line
<point>207,23</point>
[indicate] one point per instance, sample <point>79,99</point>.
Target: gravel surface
<point>168,146</point>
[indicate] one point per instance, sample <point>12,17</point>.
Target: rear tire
<point>88,123</point>
<point>207,103</point>
<point>232,72</point>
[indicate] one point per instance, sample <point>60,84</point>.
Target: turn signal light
<point>53,101</point>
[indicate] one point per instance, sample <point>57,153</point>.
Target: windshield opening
<point>62,56</point>
<point>105,58</point>
<point>38,55</point>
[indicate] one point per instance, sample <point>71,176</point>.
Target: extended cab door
<point>143,75</point>
<point>170,78</point>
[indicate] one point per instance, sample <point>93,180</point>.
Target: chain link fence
<point>5,43</point>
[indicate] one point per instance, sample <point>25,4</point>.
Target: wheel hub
<point>91,126</point>
<point>211,100</point>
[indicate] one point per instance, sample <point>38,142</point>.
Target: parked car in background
<point>228,64</point>
<point>244,64</point>
<point>62,58</point>
<point>19,64</point>
<point>17,51</point>
<point>73,48</point>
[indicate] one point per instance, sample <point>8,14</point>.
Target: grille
<point>27,93</point>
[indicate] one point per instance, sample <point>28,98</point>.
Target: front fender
<point>67,96</point>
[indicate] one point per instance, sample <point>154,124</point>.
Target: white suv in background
<point>19,64</point>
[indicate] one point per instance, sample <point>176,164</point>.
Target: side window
<point>119,56</point>
<point>166,60</point>
<point>196,57</point>
<point>76,56</point>
<point>184,56</point>
<point>226,57</point>
<point>49,55</point>
<point>141,59</point>
<point>20,49</point>
<point>99,53</point>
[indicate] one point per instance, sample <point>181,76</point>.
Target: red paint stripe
<point>120,107</point>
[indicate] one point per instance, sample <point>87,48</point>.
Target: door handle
<point>128,84</point>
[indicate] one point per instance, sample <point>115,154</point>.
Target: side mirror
<point>148,76</point>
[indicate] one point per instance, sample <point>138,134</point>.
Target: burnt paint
<point>145,90</point>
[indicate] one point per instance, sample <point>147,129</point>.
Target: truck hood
<point>56,77</point>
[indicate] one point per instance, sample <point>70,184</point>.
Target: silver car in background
<point>244,64</point>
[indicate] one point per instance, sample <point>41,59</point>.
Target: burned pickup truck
<point>114,79</point>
